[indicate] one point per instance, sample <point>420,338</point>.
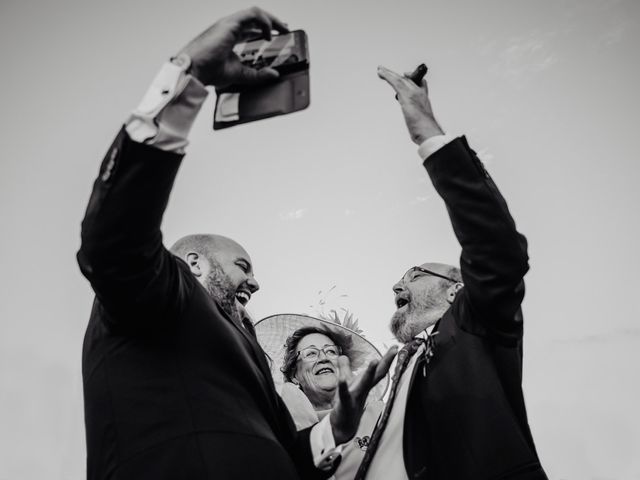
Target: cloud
<point>525,54</point>
<point>349,212</point>
<point>630,333</point>
<point>293,214</point>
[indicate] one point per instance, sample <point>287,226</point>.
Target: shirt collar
<point>426,332</point>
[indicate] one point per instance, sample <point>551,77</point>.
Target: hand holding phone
<point>288,54</point>
<point>417,75</point>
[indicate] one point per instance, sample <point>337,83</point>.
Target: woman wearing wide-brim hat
<point>303,353</point>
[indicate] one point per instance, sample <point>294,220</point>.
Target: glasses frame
<point>337,347</point>
<point>429,272</point>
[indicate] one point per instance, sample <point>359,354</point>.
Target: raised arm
<point>122,253</point>
<point>494,255</point>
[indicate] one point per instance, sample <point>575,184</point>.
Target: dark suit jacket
<point>466,416</point>
<point>173,387</point>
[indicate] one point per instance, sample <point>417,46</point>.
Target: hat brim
<point>274,330</point>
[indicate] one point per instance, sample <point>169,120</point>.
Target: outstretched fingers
<point>344,393</point>
<point>392,78</point>
<point>385,363</point>
<point>344,368</point>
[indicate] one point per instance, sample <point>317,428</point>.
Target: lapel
<point>442,338</point>
<point>258,356</point>
<point>255,348</point>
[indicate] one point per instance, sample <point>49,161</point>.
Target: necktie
<point>403,358</point>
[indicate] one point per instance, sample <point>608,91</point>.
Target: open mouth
<point>401,301</point>
<point>243,297</point>
<point>324,370</point>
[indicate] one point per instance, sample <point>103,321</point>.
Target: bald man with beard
<point>222,266</point>
<point>457,411</point>
<point>176,386</point>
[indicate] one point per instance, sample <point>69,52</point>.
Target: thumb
<point>344,367</point>
<point>251,76</point>
<point>425,85</point>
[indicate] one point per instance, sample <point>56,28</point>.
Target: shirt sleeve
<point>168,109</point>
<point>432,145</point>
<point>323,445</point>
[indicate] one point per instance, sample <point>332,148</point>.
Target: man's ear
<point>193,260</point>
<point>453,290</point>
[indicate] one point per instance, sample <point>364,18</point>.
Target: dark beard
<point>222,291</point>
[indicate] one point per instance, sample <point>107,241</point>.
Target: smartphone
<point>288,54</point>
<point>418,74</point>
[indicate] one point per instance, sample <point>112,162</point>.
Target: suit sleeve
<point>135,279</point>
<point>494,256</point>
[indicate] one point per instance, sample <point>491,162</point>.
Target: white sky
<point>335,195</point>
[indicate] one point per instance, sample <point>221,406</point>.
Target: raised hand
<point>213,60</point>
<point>415,104</point>
<point>352,394</point>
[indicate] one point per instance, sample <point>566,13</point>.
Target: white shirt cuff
<point>167,111</point>
<point>432,145</point>
<point>323,445</point>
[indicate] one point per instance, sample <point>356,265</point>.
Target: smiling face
<point>231,273</point>
<point>317,377</point>
<point>421,300</point>
<point>223,268</point>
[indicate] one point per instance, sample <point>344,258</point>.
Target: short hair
<point>343,340</point>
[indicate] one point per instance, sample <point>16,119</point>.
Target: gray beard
<point>403,325</point>
<point>406,325</point>
<point>222,291</point>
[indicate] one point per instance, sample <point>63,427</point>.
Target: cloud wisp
<point>292,215</point>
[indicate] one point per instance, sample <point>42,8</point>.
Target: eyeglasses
<point>417,272</point>
<point>311,354</point>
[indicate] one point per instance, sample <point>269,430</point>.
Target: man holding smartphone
<point>456,410</point>
<point>175,384</point>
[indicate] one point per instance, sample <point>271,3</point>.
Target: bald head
<point>443,269</point>
<point>207,244</point>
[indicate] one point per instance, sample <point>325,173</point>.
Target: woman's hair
<point>288,368</point>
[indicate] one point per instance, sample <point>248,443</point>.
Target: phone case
<point>290,93</point>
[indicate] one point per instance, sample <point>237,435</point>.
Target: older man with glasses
<point>456,409</point>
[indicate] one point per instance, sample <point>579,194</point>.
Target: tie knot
<point>413,345</point>
<point>405,354</point>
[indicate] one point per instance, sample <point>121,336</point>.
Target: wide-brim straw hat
<point>274,330</point>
